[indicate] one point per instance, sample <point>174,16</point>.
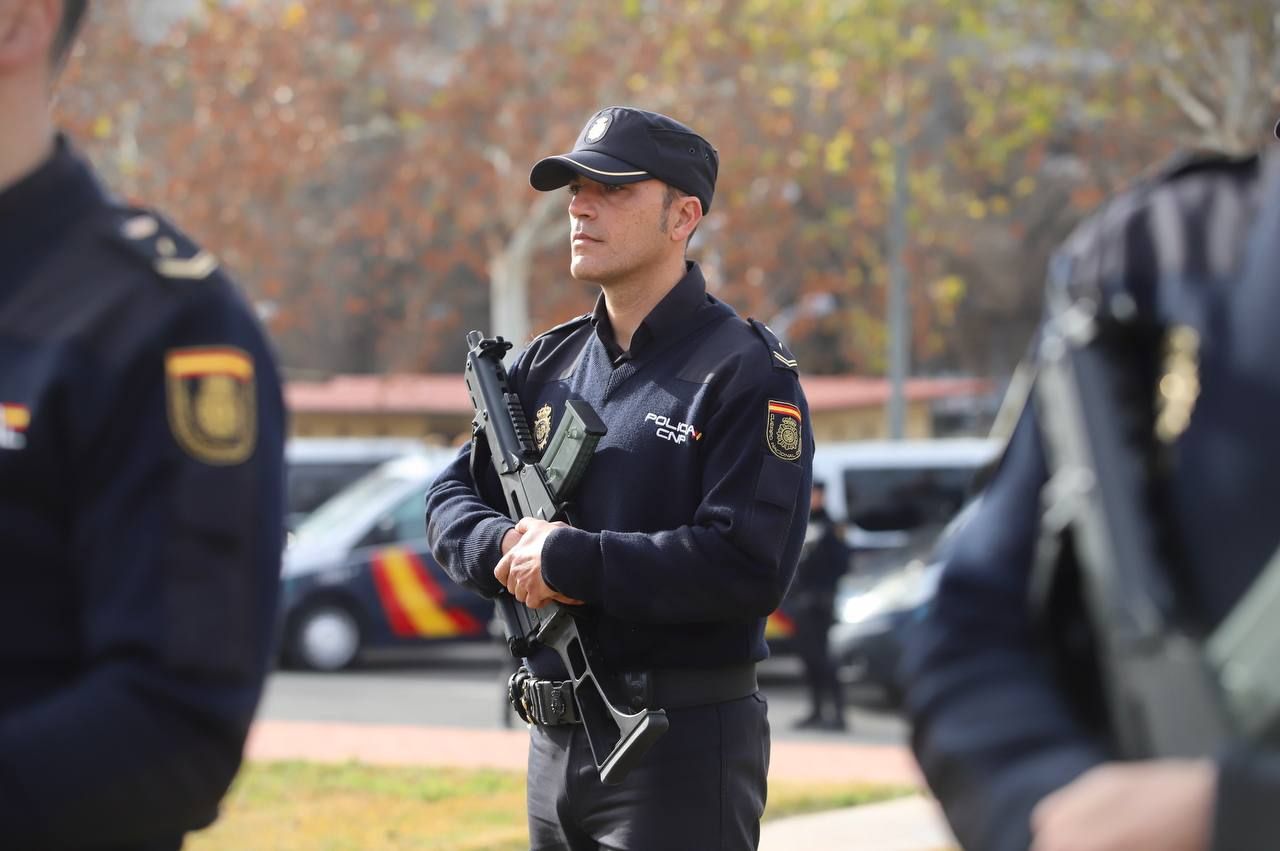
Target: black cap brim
<point>553,172</point>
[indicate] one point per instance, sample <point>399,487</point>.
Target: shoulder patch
<point>778,352</point>
<point>782,430</point>
<point>168,251</point>
<point>212,403</point>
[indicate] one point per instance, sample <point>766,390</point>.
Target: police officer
<point>689,519</point>
<point>824,558</point>
<point>141,507</point>
<point>1009,750</point>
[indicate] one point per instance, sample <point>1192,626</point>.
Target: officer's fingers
<point>502,569</point>
<point>524,579</point>
<point>568,601</point>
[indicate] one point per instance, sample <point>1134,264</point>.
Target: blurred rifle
<point>1161,695</point>
<point>541,488</point>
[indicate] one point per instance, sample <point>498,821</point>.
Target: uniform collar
<point>667,317</point>
<point>38,209</point>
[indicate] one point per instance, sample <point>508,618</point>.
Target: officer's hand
<point>520,568</point>
<point>1156,805</point>
<point>509,539</point>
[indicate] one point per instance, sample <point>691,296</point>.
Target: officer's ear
<point>27,31</point>
<point>686,213</point>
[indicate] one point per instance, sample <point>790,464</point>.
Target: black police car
<point>358,574</point>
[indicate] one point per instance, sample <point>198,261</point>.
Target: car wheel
<point>325,637</point>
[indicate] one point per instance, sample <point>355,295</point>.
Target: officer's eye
<point>575,188</point>
<point>613,187</point>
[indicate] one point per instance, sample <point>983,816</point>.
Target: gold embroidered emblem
<point>782,430</point>
<point>1179,384</point>
<point>542,426</point>
<point>212,403</point>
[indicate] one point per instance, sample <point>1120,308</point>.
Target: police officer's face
<point>27,30</point>
<point>616,232</point>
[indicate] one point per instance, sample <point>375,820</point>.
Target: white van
<point>883,489</point>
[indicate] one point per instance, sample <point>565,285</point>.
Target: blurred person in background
<point>141,499</point>
<point>690,515</point>
<point>824,558</point>
<point>1015,724</point>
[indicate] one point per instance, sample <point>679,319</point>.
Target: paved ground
<point>908,825</point>
<point>440,708</point>
<point>392,744</point>
<point>464,687</point>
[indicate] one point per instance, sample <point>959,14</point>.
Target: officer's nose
<point>580,207</point>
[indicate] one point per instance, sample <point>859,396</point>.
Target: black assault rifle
<point>541,488</point>
<point>1161,695</point>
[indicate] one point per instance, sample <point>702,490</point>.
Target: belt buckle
<point>530,706</point>
<point>556,702</point>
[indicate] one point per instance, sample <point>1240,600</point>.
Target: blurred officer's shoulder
<point>1184,218</point>
<point>125,273</point>
<point>150,251</point>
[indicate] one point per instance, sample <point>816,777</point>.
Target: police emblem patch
<point>598,127</point>
<point>542,426</point>
<point>1179,385</point>
<point>782,430</point>
<point>212,403</point>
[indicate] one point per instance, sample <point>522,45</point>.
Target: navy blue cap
<point>625,145</point>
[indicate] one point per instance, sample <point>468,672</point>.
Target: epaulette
<point>169,252</point>
<point>778,352</point>
<point>564,326</point>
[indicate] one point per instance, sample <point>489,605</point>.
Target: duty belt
<point>550,702</point>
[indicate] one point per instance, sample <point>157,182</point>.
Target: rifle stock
<point>541,488</point>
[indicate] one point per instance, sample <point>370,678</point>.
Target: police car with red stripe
<point>358,574</point>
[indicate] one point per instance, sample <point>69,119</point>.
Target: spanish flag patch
<point>212,403</point>
<point>14,421</point>
<point>782,430</point>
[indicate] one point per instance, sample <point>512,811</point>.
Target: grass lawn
<point>298,806</point>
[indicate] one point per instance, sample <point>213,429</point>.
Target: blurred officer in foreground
<point>1087,697</point>
<point>690,515</point>
<point>141,507</point>
<point>824,558</point>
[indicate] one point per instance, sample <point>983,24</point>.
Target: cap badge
<point>598,127</point>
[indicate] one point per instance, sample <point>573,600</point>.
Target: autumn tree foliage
<point>362,165</point>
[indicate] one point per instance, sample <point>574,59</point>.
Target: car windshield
<point>335,512</point>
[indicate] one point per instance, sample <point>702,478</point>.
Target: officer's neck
<point>630,300</point>
<point>28,140</point>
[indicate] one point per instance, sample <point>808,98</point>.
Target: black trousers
<point>813,623</point>
<point>701,787</point>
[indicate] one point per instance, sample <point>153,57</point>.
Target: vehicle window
<point>309,485</point>
<point>406,522</point>
<point>336,511</point>
<point>904,498</point>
